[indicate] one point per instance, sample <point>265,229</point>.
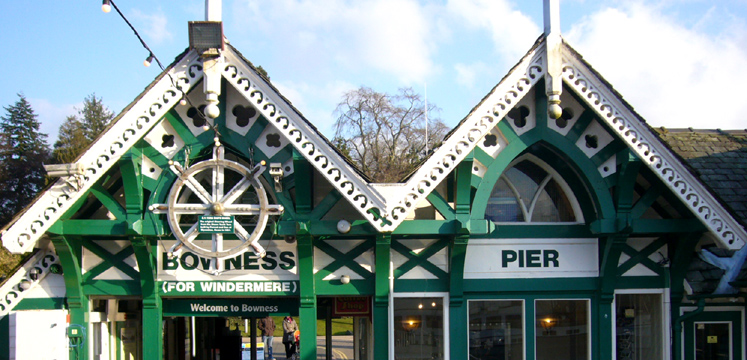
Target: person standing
<point>267,327</point>
<point>289,338</point>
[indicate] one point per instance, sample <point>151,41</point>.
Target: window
<point>496,329</point>
<point>531,191</point>
<point>562,329</point>
<point>638,326</point>
<point>418,328</point>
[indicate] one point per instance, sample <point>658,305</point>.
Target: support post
<point>381,296</point>
<point>69,252</point>
<point>307,306</point>
<point>152,309</point>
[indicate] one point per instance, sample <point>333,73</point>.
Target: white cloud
<point>316,102</point>
<point>156,26</point>
<point>467,74</point>
<point>673,75</point>
<point>512,31</point>
<point>51,116</point>
<point>390,36</point>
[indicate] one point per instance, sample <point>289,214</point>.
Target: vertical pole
<point>213,9</point>
<point>152,310</point>
<point>69,251</point>
<point>307,310</point>
<point>381,296</point>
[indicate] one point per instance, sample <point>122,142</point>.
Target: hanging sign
<point>215,224</point>
<point>352,305</point>
<point>231,307</point>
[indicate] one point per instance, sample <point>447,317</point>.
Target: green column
<point>458,331</point>
<point>69,251</point>
<point>381,296</point>
<point>307,310</point>
<point>152,310</point>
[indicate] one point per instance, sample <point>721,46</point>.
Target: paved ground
<point>342,348</point>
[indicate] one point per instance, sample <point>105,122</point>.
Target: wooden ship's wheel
<point>198,203</point>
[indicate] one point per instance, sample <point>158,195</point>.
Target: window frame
<point>523,321</point>
<point>665,318</point>
<point>589,324</point>
<point>552,175</point>
<point>444,296</point>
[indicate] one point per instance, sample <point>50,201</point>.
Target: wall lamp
<point>345,279</point>
<point>106,6</point>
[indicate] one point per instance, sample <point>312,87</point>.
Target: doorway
<point>714,335</point>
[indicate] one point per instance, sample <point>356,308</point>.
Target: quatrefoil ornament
<point>200,192</point>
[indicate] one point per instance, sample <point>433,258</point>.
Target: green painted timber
<point>308,301</point>
<point>69,251</point>
<point>304,184</point>
<point>381,296</point>
<point>419,258</point>
<point>55,303</point>
<point>343,259</point>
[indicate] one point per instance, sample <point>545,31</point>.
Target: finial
<point>554,74</point>
<point>213,9</point>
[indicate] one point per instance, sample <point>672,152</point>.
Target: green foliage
<point>78,132</point>
<point>70,143</point>
<point>23,151</point>
<point>94,117</point>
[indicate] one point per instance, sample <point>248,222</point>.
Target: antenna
<point>426,119</point>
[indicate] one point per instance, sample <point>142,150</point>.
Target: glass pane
<point>562,328</point>
<point>503,205</point>
<point>712,341</point>
<point>527,179</point>
<point>553,205</point>
<point>496,330</point>
<point>639,326</point>
<point>418,328</point>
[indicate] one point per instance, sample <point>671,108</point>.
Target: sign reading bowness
<point>260,307</point>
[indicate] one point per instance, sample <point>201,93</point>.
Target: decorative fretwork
<point>21,282</point>
<point>124,133</point>
<point>649,148</point>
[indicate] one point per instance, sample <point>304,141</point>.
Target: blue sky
<point>679,63</point>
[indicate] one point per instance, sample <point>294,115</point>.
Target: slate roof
<point>719,159</point>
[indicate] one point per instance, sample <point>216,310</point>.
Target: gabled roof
<point>385,210</point>
<point>719,159</point>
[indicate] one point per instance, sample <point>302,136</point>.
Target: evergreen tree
<point>71,141</point>
<point>23,151</point>
<point>94,117</point>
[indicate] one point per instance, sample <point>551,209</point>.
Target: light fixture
<point>148,60</point>
<point>106,6</point>
<point>410,323</point>
<point>206,37</point>
<point>433,304</point>
<point>34,274</point>
<point>345,279</point>
<point>420,306</point>
<point>548,323</point>
<point>343,226</point>
<point>24,285</point>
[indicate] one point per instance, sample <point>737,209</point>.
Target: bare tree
<point>383,134</point>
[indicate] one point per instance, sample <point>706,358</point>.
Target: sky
<point>679,63</point>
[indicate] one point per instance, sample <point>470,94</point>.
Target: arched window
<point>531,191</point>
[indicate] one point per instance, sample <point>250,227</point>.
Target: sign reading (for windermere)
<point>215,224</point>
<point>227,288</point>
<point>231,307</point>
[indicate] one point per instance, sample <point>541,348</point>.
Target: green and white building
<point>552,223</point>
